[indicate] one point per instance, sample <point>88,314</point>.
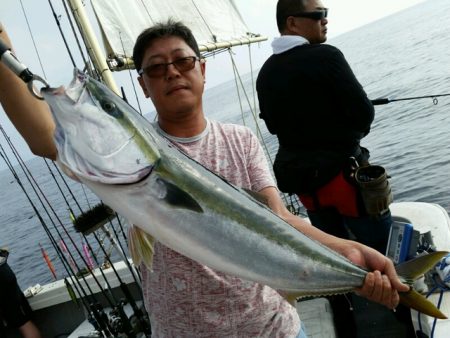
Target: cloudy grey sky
<point>344,15</point>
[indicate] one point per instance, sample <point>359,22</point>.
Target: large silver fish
<point>118,154</point>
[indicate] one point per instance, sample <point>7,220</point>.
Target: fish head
<point>99,137</point>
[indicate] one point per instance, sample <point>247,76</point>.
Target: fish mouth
<point>146,172</point>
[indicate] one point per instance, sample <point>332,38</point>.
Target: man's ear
<point>203,68</point>
<point>143,86</point>
<point>291,25</point>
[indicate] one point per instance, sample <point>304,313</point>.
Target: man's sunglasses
<point>315,15</point>
<point>159,69</point>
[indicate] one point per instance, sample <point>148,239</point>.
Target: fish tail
<point>141,246</point>
<point>412,270</point>
<point>418,302</point>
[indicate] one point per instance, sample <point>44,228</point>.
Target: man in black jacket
<point>310,98</point>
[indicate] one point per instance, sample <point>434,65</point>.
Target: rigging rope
<point>251,74</point>
<point>147,11</point>
<point>293,207</point>
<point>205,22</point>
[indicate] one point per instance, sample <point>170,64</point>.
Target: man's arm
<point>31,117</point>
<point>382,285</point>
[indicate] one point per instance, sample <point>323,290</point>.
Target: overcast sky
<point>344,15</point>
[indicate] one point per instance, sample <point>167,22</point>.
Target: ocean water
<point>403,55</point>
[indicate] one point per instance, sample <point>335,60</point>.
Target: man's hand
<point>382,285</point>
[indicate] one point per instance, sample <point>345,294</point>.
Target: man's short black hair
<point>285,8</point>
<point>161,30</point>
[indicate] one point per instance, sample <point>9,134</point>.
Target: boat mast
<point>93,48</point>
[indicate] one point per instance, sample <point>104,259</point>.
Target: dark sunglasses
<point>159,69</point>
<point>315,15</point>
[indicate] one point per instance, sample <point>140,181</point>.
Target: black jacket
<point>310,98</point>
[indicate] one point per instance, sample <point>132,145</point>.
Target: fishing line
<point>126,260</point>
<point>386,100</point>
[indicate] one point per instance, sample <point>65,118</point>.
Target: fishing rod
<point>85,225</point>
<point>381,101</point>
<point>18,68</point>
<point>94,306</point>
<point>93,313</point>
<point>88,224</point>
<point>25,74</point>
<point>11,61</point>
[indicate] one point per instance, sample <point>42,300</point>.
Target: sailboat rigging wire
<point>58,23</point>
<point>80,49</point>
<point>32,39</point>
<point>206,23</point>
<point>147,11</point>
<point>253,113</point>
<point>92,71</point>
<point>381,101</point>
<point>131,79</point>
<point>237,89</point>
<point>252,78</point>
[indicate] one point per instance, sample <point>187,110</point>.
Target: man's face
<point>315,31</point>
<point>175,93</point>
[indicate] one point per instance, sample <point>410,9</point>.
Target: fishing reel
<point>115,321</point>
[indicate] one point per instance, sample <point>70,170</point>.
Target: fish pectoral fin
<point>179,198</point>
<point>141,246</point>
<point>414,268</point>
<point>291,298</point>
<point>418,302</point>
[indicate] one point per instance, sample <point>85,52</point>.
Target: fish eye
<point>110,108</point>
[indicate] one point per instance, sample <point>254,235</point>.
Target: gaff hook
<point>11,61</point>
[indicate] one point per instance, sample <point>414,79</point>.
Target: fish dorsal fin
<point>177,197</point>
<point>141,246</point>
<point>414,268</point>
<point>257,196</point>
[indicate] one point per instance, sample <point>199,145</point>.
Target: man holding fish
<point>184,297</point>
